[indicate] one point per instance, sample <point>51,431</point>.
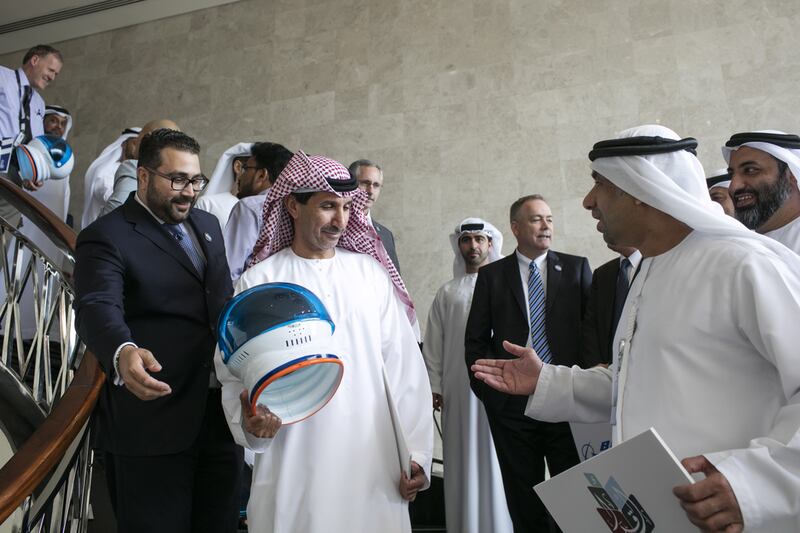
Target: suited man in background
<point>533,297</point>
<point>610,284</point>
<point>151,279</point>
<point>369,176</point>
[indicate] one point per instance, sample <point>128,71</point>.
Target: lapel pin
<point>208,237</point>
<point>558,268</point>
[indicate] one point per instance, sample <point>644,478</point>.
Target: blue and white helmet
<point>276,337</point>
<point>45,157</point>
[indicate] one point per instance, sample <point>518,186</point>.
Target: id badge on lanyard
<point>625,332</point>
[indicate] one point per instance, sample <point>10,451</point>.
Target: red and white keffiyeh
<point>306,173</point>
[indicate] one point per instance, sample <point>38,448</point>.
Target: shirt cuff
<point>117,379</point>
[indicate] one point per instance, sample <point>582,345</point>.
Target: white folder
<point>626,488</point>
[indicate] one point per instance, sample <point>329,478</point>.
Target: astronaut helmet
<point>45,157</point>
<point>278,338</point>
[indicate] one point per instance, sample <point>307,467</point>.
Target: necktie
<point>26,110</point>
<point>536,304</point>
<point>185,242</point>
<point>623,284</point>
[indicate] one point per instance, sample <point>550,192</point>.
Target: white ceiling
<point>116,17</point>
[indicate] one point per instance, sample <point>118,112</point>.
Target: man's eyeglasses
<point>180,181</point>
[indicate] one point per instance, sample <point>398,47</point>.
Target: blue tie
<point>536,302</point>
<point>186,244</point>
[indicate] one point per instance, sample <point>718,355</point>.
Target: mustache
<point>332,229</point>
<point>744,190</point>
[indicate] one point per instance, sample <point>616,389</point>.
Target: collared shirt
<point>241,232</point>
<point>186,228</point>
<point>524,263</point>
<point>635,258</point>
<point>11,100</point>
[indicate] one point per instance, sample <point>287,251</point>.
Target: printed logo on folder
<point>621,512</point>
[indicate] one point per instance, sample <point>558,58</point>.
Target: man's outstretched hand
<point>512,376</point>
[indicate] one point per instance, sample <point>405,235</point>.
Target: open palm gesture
<point>512,376</point>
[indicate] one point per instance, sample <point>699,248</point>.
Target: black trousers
<point>522,444</point>
<point>196,490</point>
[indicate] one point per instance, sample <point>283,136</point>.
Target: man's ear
<point>237,168</point>
<point>290,202</point>
<point>142,176</point>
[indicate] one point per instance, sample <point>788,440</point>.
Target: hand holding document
<point>625,489</point>
<point>403,455</point>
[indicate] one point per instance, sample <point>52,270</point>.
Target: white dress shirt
<point>10,101</point>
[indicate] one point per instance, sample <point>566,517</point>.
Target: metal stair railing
<point>44,486</point>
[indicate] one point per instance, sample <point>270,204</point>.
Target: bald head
<point>161,123</point>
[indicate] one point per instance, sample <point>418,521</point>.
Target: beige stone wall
<point>467,104</point>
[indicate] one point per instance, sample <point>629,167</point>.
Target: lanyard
<point>24,119</point>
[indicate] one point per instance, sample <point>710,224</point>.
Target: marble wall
<point>467,104</point>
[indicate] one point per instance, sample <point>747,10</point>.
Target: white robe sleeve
<point>766,475</point>
<point>408,378</point>
<point>433,347</point>
<point>232,387</point>
<point>571,394</point>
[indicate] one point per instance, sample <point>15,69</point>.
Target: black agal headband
<point>784,140</point>
<point>343,185</point>
<point>642,145</point>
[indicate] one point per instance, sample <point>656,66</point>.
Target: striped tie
<point>536,303</point>
<point>186,244</point>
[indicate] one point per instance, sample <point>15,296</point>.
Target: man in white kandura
<point>220,195</point>
<point>474,500</point>
<point>706,349</point>
<point>337,471</point>
<point>764,167</point>
<point>99,180</point>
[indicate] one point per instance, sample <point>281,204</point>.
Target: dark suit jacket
<point>499,312</point>
<point>388,242</point>
<point>598,330</point>
<point>134,283</point>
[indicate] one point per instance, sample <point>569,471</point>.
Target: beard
<point>164,207</point>
<point>769,198</point>
<point>475,261</point>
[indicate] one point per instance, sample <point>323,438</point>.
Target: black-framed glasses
<point>180,181</point>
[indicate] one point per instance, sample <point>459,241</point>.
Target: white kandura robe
<point>473,487</point>
<point>339,471</point>
<point>712,364</point>
<point>219,205</point>
<point>788,235</point>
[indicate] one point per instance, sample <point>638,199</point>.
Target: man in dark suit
<point>369,176</point>
<point>533,297</point>
<point>610,283</point>
<point>151,279</point>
